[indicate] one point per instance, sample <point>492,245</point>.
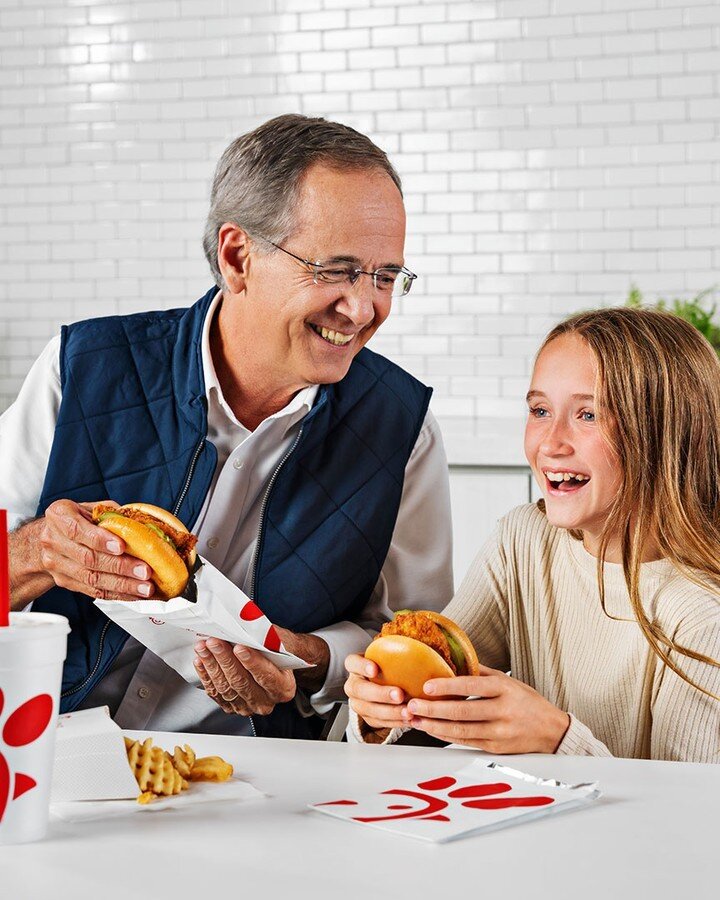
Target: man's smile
<point>330,336</point>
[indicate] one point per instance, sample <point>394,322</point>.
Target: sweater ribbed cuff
<point>359,732</point>
<point>580,741</point>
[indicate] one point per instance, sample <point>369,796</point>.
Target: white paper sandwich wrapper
<point>483,796</point>
<point>170,628</point>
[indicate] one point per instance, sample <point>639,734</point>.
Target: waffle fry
<point>211,768</point>
<point>153,769</point>
<point>160,775</point>
<point>183,760</point>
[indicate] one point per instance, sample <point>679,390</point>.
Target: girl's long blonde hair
<point>658,402</point>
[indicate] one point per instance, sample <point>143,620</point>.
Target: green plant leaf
<point>693,311</point>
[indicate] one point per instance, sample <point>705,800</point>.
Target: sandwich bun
<point>417,646</point>
<point>158,538</point>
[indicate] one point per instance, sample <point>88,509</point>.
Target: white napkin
<point>90,758</point>
<point>170,628</point>
<point>198,792</point>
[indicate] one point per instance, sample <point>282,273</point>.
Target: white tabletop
<point>653,834</point>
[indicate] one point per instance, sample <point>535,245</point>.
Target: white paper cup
<point>32,652</point>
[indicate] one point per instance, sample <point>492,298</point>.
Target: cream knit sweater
<point>530,604</point>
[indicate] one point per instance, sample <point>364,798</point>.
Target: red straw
<point>4,572</point>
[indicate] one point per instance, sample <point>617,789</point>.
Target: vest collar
<point>187,368</point>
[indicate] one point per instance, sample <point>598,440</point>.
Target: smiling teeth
<point>566,476</point>
<point>334,337</point>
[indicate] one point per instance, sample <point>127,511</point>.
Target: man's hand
<point>242,682</point>
<point>65,548</point>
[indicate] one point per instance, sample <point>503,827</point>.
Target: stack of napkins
<point>90,759</point>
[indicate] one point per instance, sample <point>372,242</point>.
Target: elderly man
<point>309,467</point>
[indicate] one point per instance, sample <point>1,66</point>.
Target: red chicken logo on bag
<point>250,613</point>
<point>23,726</point>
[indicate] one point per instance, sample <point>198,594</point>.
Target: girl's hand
<point>511,717</point>
<point>377,704</point>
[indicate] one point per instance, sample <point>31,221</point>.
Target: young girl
<point>603,601</point>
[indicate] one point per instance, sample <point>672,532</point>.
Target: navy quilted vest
<point>132,426</point>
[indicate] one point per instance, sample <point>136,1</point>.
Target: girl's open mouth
<point>561,482</point>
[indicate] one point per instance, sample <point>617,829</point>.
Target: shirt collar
<point>296,409</point>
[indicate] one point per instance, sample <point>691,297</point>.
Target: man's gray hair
<point>257,180</point>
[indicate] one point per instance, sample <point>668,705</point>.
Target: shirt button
<point>144,693</point>
<point>237,464</point>
<point>213,542</point>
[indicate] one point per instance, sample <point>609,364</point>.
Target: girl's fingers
<point>468,685</point>
<point>358,688</point>
<point>379,715</point>
<point>454,732</point>
<point>358,665</point>
<point>455,710</point>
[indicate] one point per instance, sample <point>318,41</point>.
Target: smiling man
<point>310,467</point>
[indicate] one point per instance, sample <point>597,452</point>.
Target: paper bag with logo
<point>212,606</point>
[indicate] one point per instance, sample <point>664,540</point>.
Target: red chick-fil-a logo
<point>432,808</point>
<point>23,726</point>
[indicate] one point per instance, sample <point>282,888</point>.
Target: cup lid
<point>34,625</point>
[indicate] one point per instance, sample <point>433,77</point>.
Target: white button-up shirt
<point>144,693</point>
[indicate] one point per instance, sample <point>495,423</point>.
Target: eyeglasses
<point>393,281</point>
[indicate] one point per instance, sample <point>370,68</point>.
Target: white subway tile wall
<point>553,153</point>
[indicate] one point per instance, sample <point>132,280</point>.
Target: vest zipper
<point>263,507</point>
<point>190,473</point>
<point>90,677</point>
<point>184,491</point>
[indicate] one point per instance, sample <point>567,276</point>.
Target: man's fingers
<point>98,592</point>
<point>124,566</point>
<point>69,520</point>
<point>205,680</point>
<point>208,684</point>
<point>231,679</point>
<point>67,573</point>
<point>216,674</point>
<point>101,586</point>
<point>83,557</point>
<point>236,707</point>
<point>255,678</point>
<point>278,684</point>
<point>237,686</point>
